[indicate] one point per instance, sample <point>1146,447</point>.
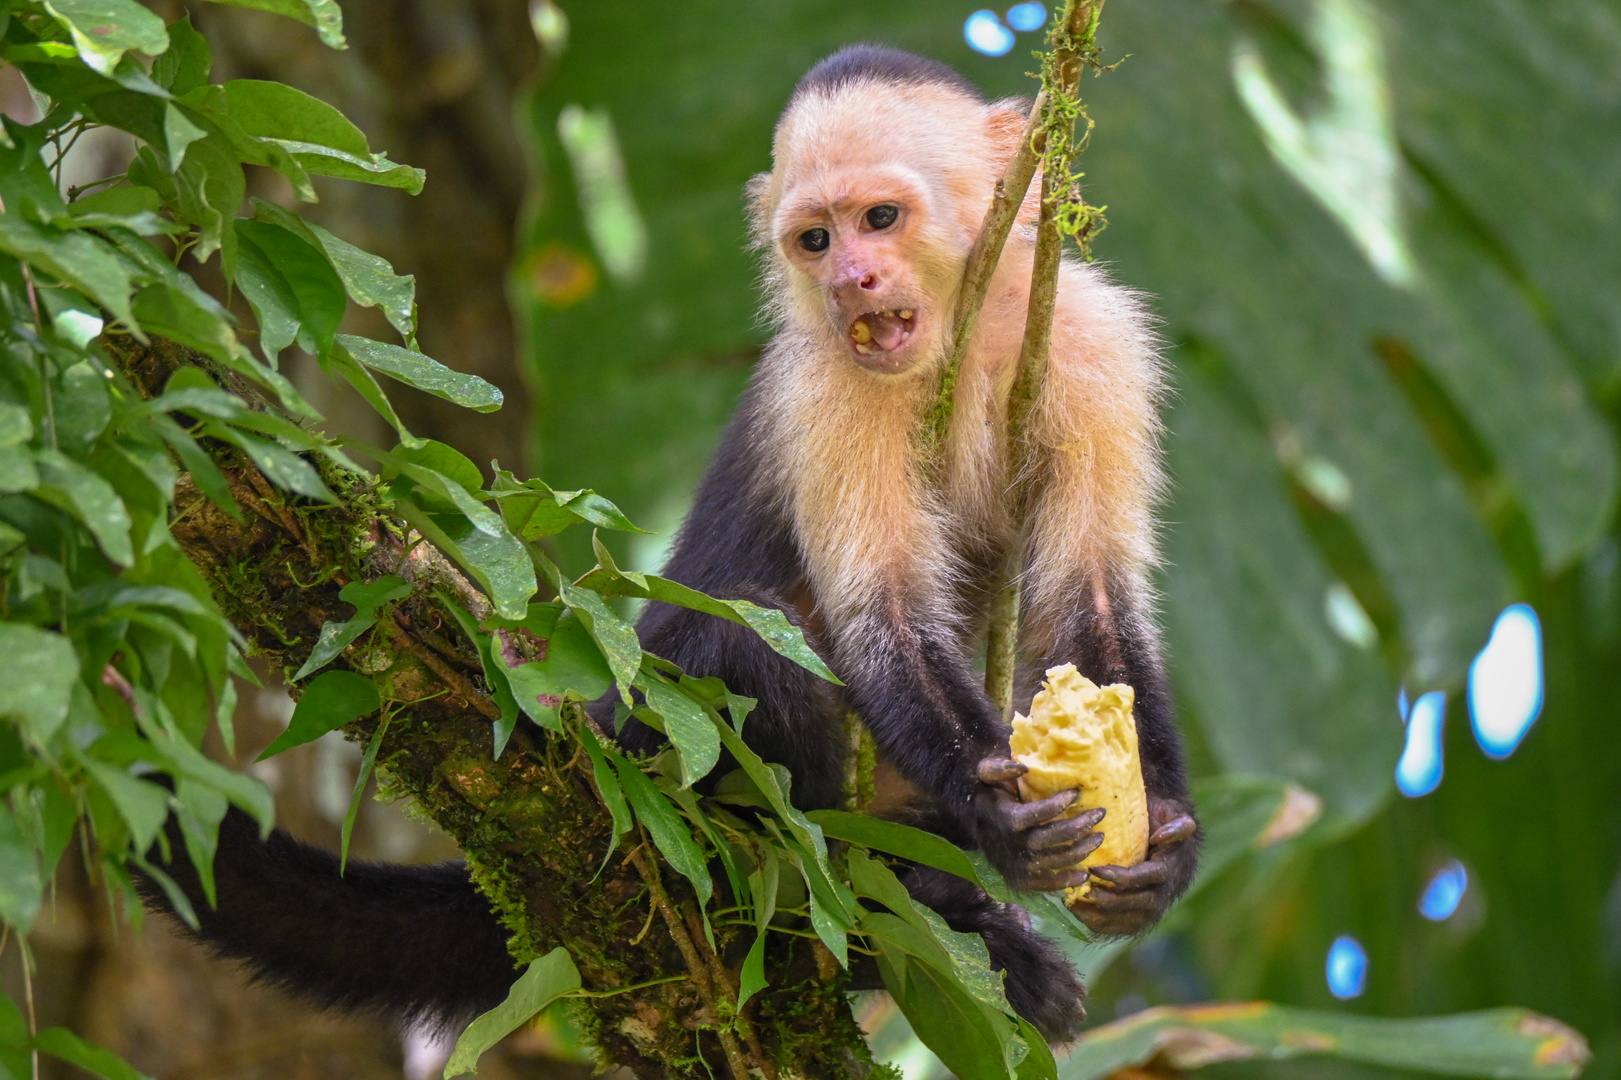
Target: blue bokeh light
<point>1403,705</point>
<point>1347,967</point>
<point>1419,770</point>
<point>1026,16</point>
<point>985,33</point>
<point>1444,892</point>
<point>1505,682</point>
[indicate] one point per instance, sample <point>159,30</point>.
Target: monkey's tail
<point>416,943</point>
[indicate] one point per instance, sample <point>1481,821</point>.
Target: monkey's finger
<point>1127,900</point>
<point>1133,877</point>
<point>1178,828</point>
<point>1000,770</point>
<point>1052,880</point>
<point>1102,922</point>
<point>1065,856</point>
<point>1067,831</point>
<point>1023,815</point>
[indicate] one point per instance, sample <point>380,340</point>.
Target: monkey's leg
<point>414,942</point>
<point>1041,985</point>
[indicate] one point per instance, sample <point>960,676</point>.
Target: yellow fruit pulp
<point>1081,735</point>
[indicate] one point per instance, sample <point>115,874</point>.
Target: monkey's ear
<point>756,193</point>
<point>1004,122</point>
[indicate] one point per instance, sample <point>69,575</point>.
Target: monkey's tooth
<point>906,313</point>
<point>861,332</point>
<point>864,349</point>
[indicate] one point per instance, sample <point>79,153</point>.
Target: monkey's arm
<point>417,942</point>
<point>929,716</point>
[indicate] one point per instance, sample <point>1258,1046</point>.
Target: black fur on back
<point>881,64</point>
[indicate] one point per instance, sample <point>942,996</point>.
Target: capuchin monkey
<point>817,503</point>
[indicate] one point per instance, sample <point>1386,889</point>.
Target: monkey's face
<point>861,242</point>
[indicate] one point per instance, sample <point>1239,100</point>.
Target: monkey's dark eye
<point>813,239</point>
<point>882,217</point>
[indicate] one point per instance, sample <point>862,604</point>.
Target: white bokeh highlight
<point>1505,682</point>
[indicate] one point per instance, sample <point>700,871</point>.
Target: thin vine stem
<point>1073,46</point>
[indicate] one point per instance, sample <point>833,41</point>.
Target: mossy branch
<point>531,824</point>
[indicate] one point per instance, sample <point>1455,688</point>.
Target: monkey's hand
<point>1126,900</point>
<point>1030,843</point>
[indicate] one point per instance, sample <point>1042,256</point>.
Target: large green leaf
<point>104,30</point>
<point>44,668</point>
<point>543,982</point>
<point>1512,1044</point>
<point>332,700</point>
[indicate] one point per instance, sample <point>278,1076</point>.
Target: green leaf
<point>964,955</point>
<point>20,885</point>
<point>309,276</point>
<point>185,64</point>
<point>201,810</point>
<point>494,672</point>
<point>143,805</point>
<point>17,471</point>
<point>81,260</point>
<point>371,281</point>
<point>771,624</point>
<point>267,292</point>
<point>178,133</point>
<point>974,1041</point>
<point>448,462</point>
<point>424,373</point>
<point>763,887</point>
<point>543,982</point>
<point>613,797</point>
<point>104,30</point>
<point>894,838</point>
<point>74,488</point>
<point>1040,1063</point>
<point>336,636</point>
<point>319,137</point>
<point>273,110</point>
<point>332,700</point>
<point>59,1042</point>
<point>281,466</point>
<point>535,511</point>
<point>365,385</point>
<point>324,15</point>
<point>613,635</point>
<point>571,662</point>
<point>665,827</point>
<point>685,722</point>
<point>367,761</point>
<point>16,425</point>
<point>42,669</point>
<point>499,563</point>
<point>368,169</point>
<point>1511,1044</point>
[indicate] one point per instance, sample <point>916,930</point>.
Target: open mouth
<point>879,332</point>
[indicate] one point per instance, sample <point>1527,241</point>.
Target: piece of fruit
<point>1081,735</point>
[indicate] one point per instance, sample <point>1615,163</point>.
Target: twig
<point>1073,46</point>
<point>696,968</point>
<point>1006,201</point>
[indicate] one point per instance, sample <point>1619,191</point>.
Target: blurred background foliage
<point>1384,237</point>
